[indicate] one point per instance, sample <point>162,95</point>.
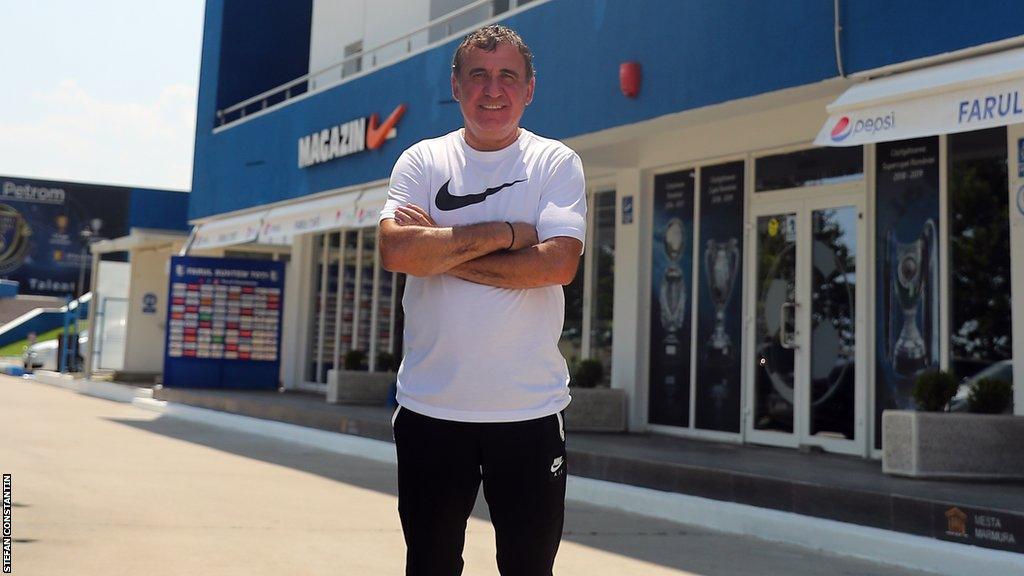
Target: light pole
<point>89,235</point>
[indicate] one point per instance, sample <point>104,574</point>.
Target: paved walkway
<point>102,488</point>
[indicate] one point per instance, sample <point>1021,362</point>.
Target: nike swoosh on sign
<point>446,202</point>
<point>375,136</point>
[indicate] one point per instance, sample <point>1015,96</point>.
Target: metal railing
<point>364,61</point>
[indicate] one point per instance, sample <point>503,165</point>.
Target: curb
<point>840,538</point>
<point>97,389</point>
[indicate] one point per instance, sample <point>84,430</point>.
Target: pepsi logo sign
<point>841,130</point>
<point>845,127</point>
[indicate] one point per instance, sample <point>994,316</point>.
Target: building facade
<point>804,206</point>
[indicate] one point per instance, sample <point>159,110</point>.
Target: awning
<point>229,231</point>
<point>349,210</point>
<point>278,226</point>
<point>325,213</point>
<point>368,207</point>
<point>972,94</point>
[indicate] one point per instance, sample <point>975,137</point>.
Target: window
<point>979,251</point>
<point>602,283</point>
<point>596,276</point>
<point>320,354</point>
<point>354,65</point>
<point>814,167</point>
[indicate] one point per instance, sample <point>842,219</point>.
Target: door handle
<point>787,339</point>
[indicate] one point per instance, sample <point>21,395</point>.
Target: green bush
<point>588,374</point>
<point>933,390</point>
<point>386,362</point>
<point>355,360</point>
<point>990,396</point>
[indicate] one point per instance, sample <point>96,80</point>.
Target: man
<point>488,222</point>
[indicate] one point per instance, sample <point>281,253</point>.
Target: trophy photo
<point>913,269</point>
<point>721,263</point>
<point>672,292</point>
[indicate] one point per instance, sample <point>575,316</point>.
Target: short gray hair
<point>487,39</point>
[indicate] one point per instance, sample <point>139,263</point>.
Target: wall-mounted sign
<point>906,271</point>
<point>978,527</point>
<point>720,302</point>
<point>627,209</point>
<point>671,274</point>
<point>149,303</point>
<point>224,323</point>
<point>348,138</point>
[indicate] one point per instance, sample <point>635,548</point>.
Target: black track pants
<point>440,467</point>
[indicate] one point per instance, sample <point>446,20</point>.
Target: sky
<point>100,91</point>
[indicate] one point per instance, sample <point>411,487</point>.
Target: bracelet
<point>513,229</point>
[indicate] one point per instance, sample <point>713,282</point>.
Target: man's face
<point>492,91</point>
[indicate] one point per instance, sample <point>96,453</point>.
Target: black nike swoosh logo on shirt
<point>446,202</point>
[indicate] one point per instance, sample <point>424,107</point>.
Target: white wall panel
<point>340,23</point>
<point>144,337</point>
<point>336,24</point>
<point>389,19</point>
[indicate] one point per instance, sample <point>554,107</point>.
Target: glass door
<point>806,339</point>
<point>776,349</point>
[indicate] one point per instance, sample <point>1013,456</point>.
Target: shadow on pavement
<point>616,532</point>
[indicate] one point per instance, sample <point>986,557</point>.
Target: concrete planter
<point>596,410</point>
<point>359,387</point>
<point>952,445</point>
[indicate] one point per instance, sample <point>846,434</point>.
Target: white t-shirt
<point>476,353</point>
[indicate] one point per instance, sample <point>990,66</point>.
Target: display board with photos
<point>907,270</point>
<point>223,323</point>
<point>671,299</point>
<point>720,303</point>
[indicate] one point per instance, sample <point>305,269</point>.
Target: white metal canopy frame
<point>972,94</point>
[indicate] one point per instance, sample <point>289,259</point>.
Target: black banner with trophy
<point>907,288</point>
<point>719,308</point>
<point>671,279</point>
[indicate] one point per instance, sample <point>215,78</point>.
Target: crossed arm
<point>412,243</point>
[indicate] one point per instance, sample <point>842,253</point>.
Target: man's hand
<point>413,215</point>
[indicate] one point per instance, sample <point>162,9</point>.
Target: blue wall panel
<point>693,52</point>
<point>266,43</point>
<point>878,33</point>
<point>164,209</point>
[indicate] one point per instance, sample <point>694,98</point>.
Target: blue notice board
<point>223,323</point>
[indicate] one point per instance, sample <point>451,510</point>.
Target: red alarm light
<point>629,79</point>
